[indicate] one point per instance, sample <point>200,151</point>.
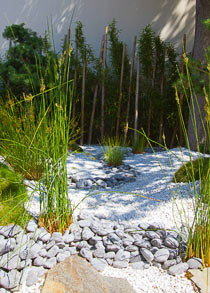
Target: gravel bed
<point>162,201</point>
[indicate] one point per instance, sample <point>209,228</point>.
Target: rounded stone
<point>195,263</point>
<point>52,251</point>
<point>38,261</point>
<point>49,263</point>
<point>122,255</point>
<point>167,264</point>
<point>171,242</point>
<point>178,269</point>
<point>148,256</point>
<point>161,255</point>
<point>98,264</point>
<point>87,233</point>
<point>156,242</point>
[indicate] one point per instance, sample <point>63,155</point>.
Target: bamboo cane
<point>103,85</point>
<point>129,89</point>
<point>137,100</point>
<point>83,102</point>
<point>121,91</point>
<point>150,101</point>
<point>177,124</point>
<point>67,41</point>
<point>95,96</point>
<point>75,82</point>
<point>161,114</point>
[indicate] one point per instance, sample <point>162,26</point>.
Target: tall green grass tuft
<point>35,133</point>
<point>139,144</point>
<point>113,151</point>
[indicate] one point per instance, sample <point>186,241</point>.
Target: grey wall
<point>170,18</point>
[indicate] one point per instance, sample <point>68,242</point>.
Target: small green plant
<point>139,144</point>
<point>113,152</point>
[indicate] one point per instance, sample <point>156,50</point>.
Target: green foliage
<point>116,50</point>
<point>19,69</point>
<point>85,50</point>
<point>146,51</point>
<point>139,144</point>
<point>13,195</point>
<point>193,170</point>
<point>113,152</point>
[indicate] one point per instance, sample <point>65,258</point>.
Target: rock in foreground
<point>76,275</point>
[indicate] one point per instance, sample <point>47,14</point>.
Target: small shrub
<point>192,170</point>
<point>138,145</point>
<point>113,152</point>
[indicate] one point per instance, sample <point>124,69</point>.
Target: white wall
<point>170,18</point>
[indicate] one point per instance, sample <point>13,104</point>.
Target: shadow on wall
<point>37,14</point>
<point>170,18</point>
<point>174,19</point>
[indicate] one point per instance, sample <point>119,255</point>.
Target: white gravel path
<point>130,208</point>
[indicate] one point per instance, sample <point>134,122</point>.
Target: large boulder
<point>76,275</point>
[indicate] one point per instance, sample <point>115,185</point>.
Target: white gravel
<point>126,206</point>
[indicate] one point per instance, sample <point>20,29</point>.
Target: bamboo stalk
<point>75,82</point>
<point>83,103</point>
<point>95,96</point>
<point>121,91</point>
<point>177,124</point>
<point>137,100</point>
<point>161,113</point>
<point>182,95</point>
<point>129,89</point>
<point>103,85</point>
<point>68,43</point>
<point>150,101</point>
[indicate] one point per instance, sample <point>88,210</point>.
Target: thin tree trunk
<point>150,101</point>
<point>121,91</point>
<point>129,90</point>
<point>95,97</point>
<point>68,44</point>
<point>161,114</point>
<point>83,103</point>
<point>178,124</point>
<point>201,42</point>
<point>75,82</point>
<point>103,85</point>
<point>137,100</point>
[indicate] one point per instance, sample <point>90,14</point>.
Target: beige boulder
<point>76,275</point>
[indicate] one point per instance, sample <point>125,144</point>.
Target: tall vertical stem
<point>103,85</point>
<point>95,97</point>
<point>83,102</point>
<point>129,90</point>
<point>121,91</point>
<point>137,100</point>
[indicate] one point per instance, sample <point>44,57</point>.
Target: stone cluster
<point>115,177</point>
<point>26,255</point>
